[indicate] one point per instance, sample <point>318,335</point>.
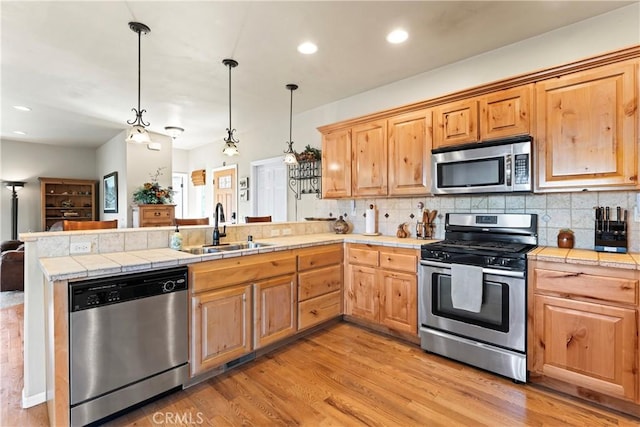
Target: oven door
<point>502,315</point>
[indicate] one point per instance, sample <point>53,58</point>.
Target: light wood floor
<point>341,376</point>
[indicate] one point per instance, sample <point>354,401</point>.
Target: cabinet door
<point>398,301</point>
<point>456,123</point>
<point>362,297</point>
<point>586,129</point>
<point>506,113</point>
<point>275,309</point>
<point>588,345</point>
<point>336,164</point>
<point>369,159</point>
<point>220,327</point>
<point>410,153</point>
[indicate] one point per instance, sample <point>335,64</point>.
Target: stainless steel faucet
<point>219,216</point>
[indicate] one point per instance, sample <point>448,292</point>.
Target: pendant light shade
<point>230,147</point>
<point>290,157</point>
<point>138,132</point>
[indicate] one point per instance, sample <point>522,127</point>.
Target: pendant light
<point>138,132</point>
<point>290,157</point>
<point>230,147</point>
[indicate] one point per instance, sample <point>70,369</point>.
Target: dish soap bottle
<point>176,240</point>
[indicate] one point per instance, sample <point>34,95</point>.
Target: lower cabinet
<point>381,286</point>
<point>275,310</point>
<point>221,327</point>
<point>584,331</point>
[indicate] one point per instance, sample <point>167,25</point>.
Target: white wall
<point>23,161</point>
<point>112,157</point>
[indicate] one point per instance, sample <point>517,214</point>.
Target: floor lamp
<point>14,186</point>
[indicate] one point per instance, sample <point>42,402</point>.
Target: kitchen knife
<point>618,216</point>
<point>606,218</point>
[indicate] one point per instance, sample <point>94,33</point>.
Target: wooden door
<point>588,345</point>
<point>362,298</point>
<point>336,164</point>
<point>224,191</point>
<point>506,113</point>
<point>410,153</point>
<point>398,301</point>
<point>586,129</point>
<point>275,309</point>
<point>220,327</point>
<point>456,123</point>
<point>369,159</point>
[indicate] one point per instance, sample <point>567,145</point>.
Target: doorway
<point>224,191</point>
<point>269,187</point>
<point>179,185</point>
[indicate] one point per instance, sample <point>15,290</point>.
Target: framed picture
<point>244,182</point>
<point>110,193</point>
<point>244,195</point>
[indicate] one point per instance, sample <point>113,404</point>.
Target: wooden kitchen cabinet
<point>369,159</point>
<point>223,307</point>
<point>456,123</point>
<point>586,134</point>
<point>221,327</point>
<point>275,311</point>
<point>320,284</point>
<point>410,142</point>
<point>584,331</point>
<point>153,215</point>
<point>498,114</point>
<point>67,199</point>
<point>506,113</point>
<point>336,164</point>
<point>382,286</point>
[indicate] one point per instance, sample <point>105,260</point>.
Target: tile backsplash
<point>555,211</point>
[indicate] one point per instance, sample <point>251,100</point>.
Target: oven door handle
<point>492,271</point>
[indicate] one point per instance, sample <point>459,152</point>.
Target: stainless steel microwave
<point>501,166</point>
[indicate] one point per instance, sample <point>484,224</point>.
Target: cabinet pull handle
<point>156,213</point>
<point>314,312</point>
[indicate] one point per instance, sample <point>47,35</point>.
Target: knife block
<point>611,236</point>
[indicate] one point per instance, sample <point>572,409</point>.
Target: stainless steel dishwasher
<point>128,340</point>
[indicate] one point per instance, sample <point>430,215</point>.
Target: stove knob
<point>490,260</point>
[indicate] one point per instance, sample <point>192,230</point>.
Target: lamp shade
<point>230,149</point>
<point>138,134</point>
<point>14,185</point>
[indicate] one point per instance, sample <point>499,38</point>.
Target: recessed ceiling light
<point>19,132</point>
<point>397,36</point>
<point>307,48</point>
<point>21,108</point>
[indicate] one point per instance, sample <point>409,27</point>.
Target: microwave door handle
<point>508,169</point>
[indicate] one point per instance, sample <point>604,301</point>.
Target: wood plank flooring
<point>341,376</point>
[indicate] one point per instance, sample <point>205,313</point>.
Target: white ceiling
<point>75,63</point>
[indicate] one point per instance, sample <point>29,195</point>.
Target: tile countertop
<point>97,265</point>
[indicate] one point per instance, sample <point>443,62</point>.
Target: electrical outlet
<point>275,233</point>
<point>286,231</point>
<point>80,248</point>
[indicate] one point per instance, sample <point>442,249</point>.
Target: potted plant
<point>309,154</point>
<point>151,193</point>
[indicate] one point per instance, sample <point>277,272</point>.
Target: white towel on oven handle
<point>466,287</point>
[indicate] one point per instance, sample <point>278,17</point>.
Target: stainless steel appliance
<point>502,166</point>
<point>128,341</point>
<point>473,291</point>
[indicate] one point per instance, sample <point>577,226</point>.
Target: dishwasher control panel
<point>94,293</point>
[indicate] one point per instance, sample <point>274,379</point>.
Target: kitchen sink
<point>225,247</point>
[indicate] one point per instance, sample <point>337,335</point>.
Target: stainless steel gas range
<point>473,291</point>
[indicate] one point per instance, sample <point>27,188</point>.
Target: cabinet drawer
<point>319,281</point>
<point>319,309</point>
<point>363,257</point>
<point>607,288</point>
<point>322,257</point>
<point>156,214</point>
<point>398,261</point>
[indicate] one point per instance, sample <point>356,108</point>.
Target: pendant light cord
<point>139,61</point>
<point>291,114</point>
<point>230,98</point>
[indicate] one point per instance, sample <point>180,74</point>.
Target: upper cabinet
<point>336,164</point>
<point>586,129</point>
<point>409,153</point>
<point>495,115</point>
<point>369,159</point>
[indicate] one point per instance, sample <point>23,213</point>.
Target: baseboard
<point>36,399</point>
